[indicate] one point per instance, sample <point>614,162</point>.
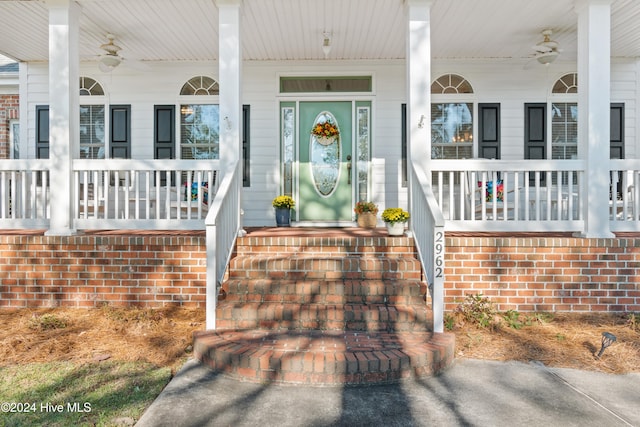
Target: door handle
<point>349,169</point>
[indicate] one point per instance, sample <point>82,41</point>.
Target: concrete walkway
<point>470,393</point>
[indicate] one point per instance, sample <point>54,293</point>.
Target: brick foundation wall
<point>92,270</point>
<point>9,106</point>
<point>544,273</point>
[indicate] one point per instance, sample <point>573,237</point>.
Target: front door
<point>325,173</point>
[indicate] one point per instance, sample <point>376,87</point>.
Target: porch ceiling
<point>174,30</point>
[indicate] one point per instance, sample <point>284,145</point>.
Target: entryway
<point>326,159</point>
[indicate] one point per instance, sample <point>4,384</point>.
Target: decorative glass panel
<point>199,131</point>
<point>363,152</point>
<point>324,152</point>
<point>288,153</point>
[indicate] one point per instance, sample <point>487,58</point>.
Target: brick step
<point>325,267</point>
<point>324,357</point>
<point>326,245</point>
<point>325,291</point>
<point>346,317</point>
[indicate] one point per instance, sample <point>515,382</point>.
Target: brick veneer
<point>546,273</point>
<point>91,270</point>
<point>524,273</point>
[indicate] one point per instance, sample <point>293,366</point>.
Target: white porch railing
<point>24,193</point>
<point>222,226</point>
<point>540,195</point>
<point>143,194</point>
<point>427,226</point>
<point>624,207</point>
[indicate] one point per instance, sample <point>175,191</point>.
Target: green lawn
<point>92,394</point>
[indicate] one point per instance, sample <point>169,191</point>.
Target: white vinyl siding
<point>501,81</point>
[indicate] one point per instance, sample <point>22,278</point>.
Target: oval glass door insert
<point>324,155</point>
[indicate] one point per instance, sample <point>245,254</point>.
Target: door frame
<point>287,101</point>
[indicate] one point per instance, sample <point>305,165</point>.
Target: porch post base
<point>65,232</point>
<point>594,235</point>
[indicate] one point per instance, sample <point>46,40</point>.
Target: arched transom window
<point>200,119</point>
<point>566,84</point>
<point>200,85</point>
<point>89,87</point>
<point>451,118</point>
<point>451,83</point>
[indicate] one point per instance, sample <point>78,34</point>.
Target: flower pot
<point>283,217</point>
<point>395,228</point>
<point>367,220</point>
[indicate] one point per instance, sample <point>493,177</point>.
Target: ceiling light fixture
<point>547,58</point>
<point>110,61</point>
<point>326,44</point>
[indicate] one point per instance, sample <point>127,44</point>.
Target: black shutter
<point>246,151</point>
<point>617,131</point>
<point>535,135</point>
<point>42,131</point>
<point>489,129</point>
<point>164,135</point>
<point>120,131</point>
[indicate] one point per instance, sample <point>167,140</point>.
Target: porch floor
<point>300,231</point>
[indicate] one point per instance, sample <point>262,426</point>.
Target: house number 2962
<point>438,254</point>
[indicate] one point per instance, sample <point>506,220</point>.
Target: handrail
<point>143,193</point>
<point>540,195</point>
<point>427,225</point>
<point>624,208</point>
<point>24,193</point>
<point>222,227</point>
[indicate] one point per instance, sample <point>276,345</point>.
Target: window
<point>200,85</point>
<point>564,118</point>
<point>452,131</point>
<point>200,121</point>
<point>564,130</point>
<point>92,131</point>
<point>199,131</point>
<point>89,86</point>
<point>14,139</point>
<point>325,84</point>
<point>566,84</point>
<point>451,122</point>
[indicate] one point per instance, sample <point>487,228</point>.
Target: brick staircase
<point>324,307</point>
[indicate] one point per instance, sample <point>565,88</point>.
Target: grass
<point>92,394</point>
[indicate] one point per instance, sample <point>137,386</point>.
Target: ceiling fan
<point>547,50</point>
<point>111,58</point>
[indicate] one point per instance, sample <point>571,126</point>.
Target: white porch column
<point>594,98</point>
<point>230,69</point>
<point>64,99</point>
<point>419,81</point>
<point>419,118</point>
